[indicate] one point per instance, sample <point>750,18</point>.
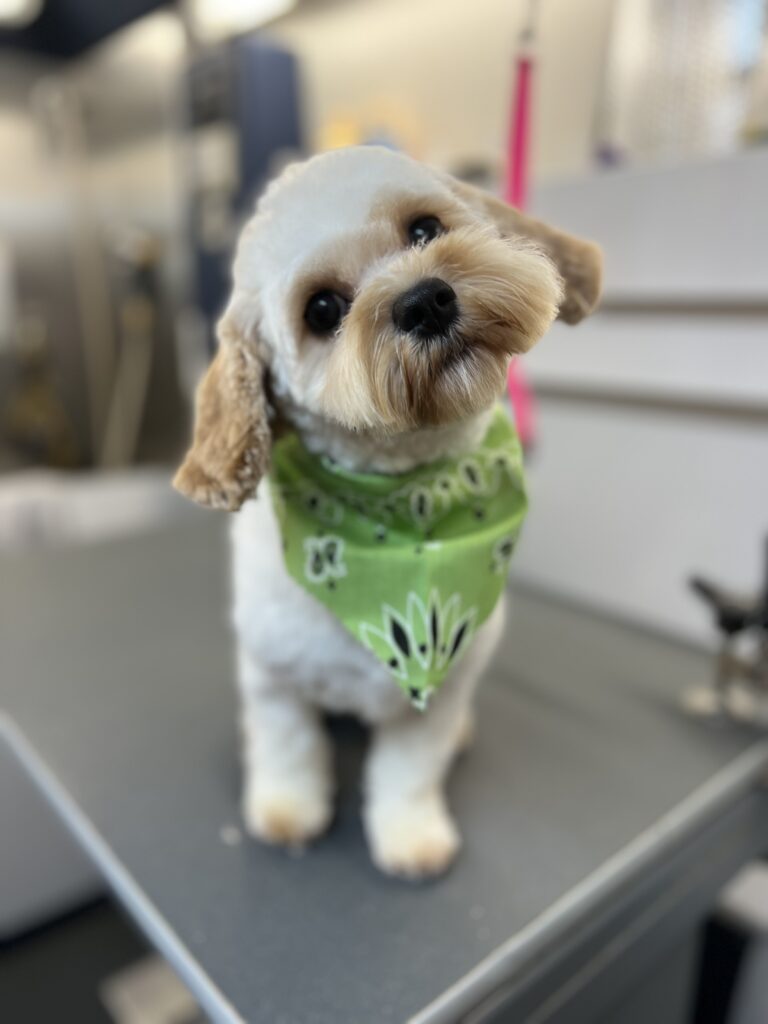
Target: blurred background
<point>135,136</point>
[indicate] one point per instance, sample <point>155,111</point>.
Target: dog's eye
<point>424,229</point>
<point>324,311</point>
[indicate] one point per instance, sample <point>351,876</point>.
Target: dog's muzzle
<point>427,310</point>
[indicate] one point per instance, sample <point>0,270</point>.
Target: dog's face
<point>380,295</point>
<point>385,301</point>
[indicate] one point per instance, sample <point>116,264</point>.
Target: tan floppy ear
<point>232,439</point>
<point>580,262</point>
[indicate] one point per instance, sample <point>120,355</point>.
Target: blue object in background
<point>242,113</point>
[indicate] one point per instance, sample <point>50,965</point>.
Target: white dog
<point>375,308</point>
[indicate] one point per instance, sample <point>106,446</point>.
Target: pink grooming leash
<point>516,193</point>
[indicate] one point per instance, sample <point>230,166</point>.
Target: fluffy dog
<point>375,308</point>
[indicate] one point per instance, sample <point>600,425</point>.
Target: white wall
<point>443,69</point>
<point>652,460</point>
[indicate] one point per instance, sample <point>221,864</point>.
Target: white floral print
<point>424,636</point>
<point>324,559</point>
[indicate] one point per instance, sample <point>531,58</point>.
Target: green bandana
<point>412,564</point>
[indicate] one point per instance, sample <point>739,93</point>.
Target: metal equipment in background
<point>740,688</point>
<point>149,152</point>
<point>90,221</point>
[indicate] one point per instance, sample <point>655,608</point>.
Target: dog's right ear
<point>232,438</point>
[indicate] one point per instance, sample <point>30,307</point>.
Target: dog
<point>375,307</point>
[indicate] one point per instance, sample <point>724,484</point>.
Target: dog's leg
<point>410,830</point>
<point>288,789</point>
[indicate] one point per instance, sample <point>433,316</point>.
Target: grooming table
<point>599,822</point>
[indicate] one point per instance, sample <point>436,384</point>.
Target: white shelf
<point>695,230</point>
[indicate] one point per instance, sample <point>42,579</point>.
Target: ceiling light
<point>215,19</point>
<point>18,13</point>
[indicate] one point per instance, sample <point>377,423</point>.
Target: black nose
<point>427,309</point>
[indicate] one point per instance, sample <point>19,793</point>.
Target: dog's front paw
<point>285,816</point>
<point>412,839</point>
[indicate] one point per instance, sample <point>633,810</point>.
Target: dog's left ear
<point>232,438</point>
<point>580,262</point>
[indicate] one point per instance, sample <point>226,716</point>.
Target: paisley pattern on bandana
<point>412,564</point>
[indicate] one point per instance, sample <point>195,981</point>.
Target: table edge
<point>144,912</point>
<point>497,967</point>
<point>494,970</point>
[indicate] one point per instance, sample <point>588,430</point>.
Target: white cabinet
<point>652,455</point>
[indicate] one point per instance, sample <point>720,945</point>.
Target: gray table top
<point>117,686</point>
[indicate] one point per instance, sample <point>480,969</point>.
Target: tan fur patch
<point>232,439</point>
<point>508,294</point>
<point>401,208</point>
<point>341,265</point>
<point>580,262</point>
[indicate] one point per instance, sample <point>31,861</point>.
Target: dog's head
<point>376,293</point>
